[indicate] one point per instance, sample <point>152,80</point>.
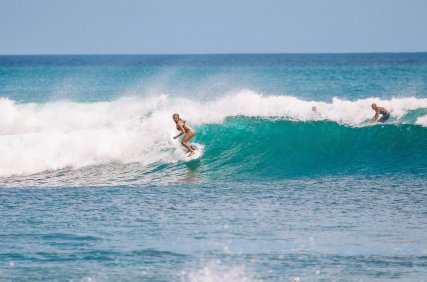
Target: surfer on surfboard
<point>380,111</point>
<point>182,126</point>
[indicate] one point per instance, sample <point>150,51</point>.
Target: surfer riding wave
<point>182,126</point>
<point>380,111</point>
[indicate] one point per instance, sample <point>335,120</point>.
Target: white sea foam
<point>354,113</point>
<point>216,272</point>
<point>34,138</point>
<point>422,121</point>
<point>39,137</point>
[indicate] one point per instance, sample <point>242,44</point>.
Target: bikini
<point>185,127</point>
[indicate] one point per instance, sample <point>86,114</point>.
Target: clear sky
<point>216,26</point>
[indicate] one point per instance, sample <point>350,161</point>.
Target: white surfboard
<point>193,157</point>
<point>197,153</point>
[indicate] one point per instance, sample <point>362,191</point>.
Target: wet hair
<point>374,105</point>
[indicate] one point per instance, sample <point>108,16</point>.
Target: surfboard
<point>198,152</point>
<point>193,157</point>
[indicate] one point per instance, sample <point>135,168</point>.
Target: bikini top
<point>186,127</point>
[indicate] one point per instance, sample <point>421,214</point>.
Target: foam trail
<point>50,136</point>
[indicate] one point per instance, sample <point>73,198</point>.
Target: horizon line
<point>204,54</point>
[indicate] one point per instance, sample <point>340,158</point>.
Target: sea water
<point>94,188</point>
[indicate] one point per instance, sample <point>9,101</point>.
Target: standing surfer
<point>182,126</point>
<point>380,111</point>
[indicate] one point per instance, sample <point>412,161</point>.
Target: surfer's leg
<point>185,140</point>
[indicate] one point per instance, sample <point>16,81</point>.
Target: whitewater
<point>294,183</point>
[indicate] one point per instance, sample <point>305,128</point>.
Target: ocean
<point>94,188</point>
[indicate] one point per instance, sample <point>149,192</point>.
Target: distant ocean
<point>94,188</point>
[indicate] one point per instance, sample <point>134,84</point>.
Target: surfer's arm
<point>375,117</point>
<point>182,131</point>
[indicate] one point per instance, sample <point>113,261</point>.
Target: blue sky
<point>220,26</point>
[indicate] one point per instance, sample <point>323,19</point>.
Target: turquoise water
<point>94,188</point>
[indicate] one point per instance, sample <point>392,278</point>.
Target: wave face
<point>281,148</point>
<point>246,135</point>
